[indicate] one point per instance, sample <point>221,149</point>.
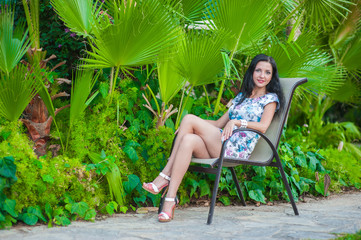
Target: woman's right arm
<point>221,122</point>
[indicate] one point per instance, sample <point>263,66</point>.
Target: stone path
<point>318,219</point>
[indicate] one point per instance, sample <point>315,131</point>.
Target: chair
<point>263,154</point>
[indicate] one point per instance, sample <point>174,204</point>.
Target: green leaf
<point>80,91</point>
<point>260,171</point>
<point>80,208</point>
<point>312,163</point>
<point>225,200</point>
<point>123,209</point>
<point>131,39</point>
<point>9,206</point>
<point>29,218</point>
<point>131,153</point>
<point>257,195</point>
<point>62,220</point>
<point>37,212</point>
<point>301,160</point>
<point>13,40</point>
<point>48,179</point>
<point>49,211</point>
<point>17,89</point>
<point>194,185</point>
<point>7,167</point>
<point>104,89</point>
<point>204,186</point>
<point>90,215</point>
<point>111,207</point>
<point>133,181</point>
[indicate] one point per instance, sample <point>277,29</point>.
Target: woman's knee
<point>190,119</point>
<point>189,140</point>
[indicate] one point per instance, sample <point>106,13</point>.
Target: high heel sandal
<point>152,188</point>
<point>166,216</point>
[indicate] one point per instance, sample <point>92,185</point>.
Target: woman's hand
<point>228,129</point>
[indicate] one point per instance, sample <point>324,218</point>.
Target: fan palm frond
<point>352,54</point>
<point>246,21</point>
<point>347,28</point>
<point>78,15</point>
<point>17,89</point>
<point>199,57</point>
<point>304,59</point>
<point>80,91</point>
<point>170,81</point>
<point>324,14</point>
<point>136,36</point>
<point>13,42</point>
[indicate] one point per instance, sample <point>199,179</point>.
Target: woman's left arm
<point>267,116</point>
<point>262,126</point>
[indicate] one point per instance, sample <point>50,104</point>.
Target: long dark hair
<point>272,87</point>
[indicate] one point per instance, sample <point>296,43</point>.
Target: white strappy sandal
<point>166,216</point>
<point>152,188</point>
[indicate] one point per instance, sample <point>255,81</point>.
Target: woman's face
<point>262,74</point>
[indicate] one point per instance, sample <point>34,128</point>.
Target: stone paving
<point>318,219</point>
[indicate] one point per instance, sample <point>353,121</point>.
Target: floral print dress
<point>241,144</point>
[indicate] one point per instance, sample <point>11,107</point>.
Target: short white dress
<point>241,144</point>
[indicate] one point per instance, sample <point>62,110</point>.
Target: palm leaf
<point>80,91</point>
<point>246,21</point>
<point>304,59</point>
<point>325,14</point>
<point>199,57</point>
<point>189,10</point>
<point>16,91</point>
<point>347,29</point>
<point>78,15</point>
<point>13,42</point>
<point>352,54</point>
<point>170,81</point>
<point>136,36</point>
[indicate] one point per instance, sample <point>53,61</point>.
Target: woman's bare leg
<point>190,145</point>
<point>192,124</point>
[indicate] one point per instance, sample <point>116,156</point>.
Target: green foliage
<point>7,178</point>
<point>105,165</point>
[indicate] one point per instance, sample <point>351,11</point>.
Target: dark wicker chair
<point>264,154</point>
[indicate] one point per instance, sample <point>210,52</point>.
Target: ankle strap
<point>167,199</point>
<point>164,176</point>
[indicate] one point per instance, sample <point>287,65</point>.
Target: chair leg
<point>280,168</point>
<point>161,202</point>
<point>214,195</point>
<point>237,186</point>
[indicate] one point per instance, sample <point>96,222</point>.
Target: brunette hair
<point>272,87</point>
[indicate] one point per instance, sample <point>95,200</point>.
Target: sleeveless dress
<point>241,144</point>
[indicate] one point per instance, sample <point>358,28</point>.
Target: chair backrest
<point>262,151</point>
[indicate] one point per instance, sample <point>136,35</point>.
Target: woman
<point>254,107</point>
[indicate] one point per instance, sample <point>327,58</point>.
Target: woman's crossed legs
<point>196,137</point>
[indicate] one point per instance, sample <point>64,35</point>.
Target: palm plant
<point>13,41</point>
<point>303,58</point>
<point>78,15</point>
<point>81,88</point>
<point>16,91</point>
<point>130,39</point>
<point>199,59</point>
<point>318,15</point>
<point>246,22</point>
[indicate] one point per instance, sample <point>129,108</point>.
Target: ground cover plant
<point>135,69</point>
